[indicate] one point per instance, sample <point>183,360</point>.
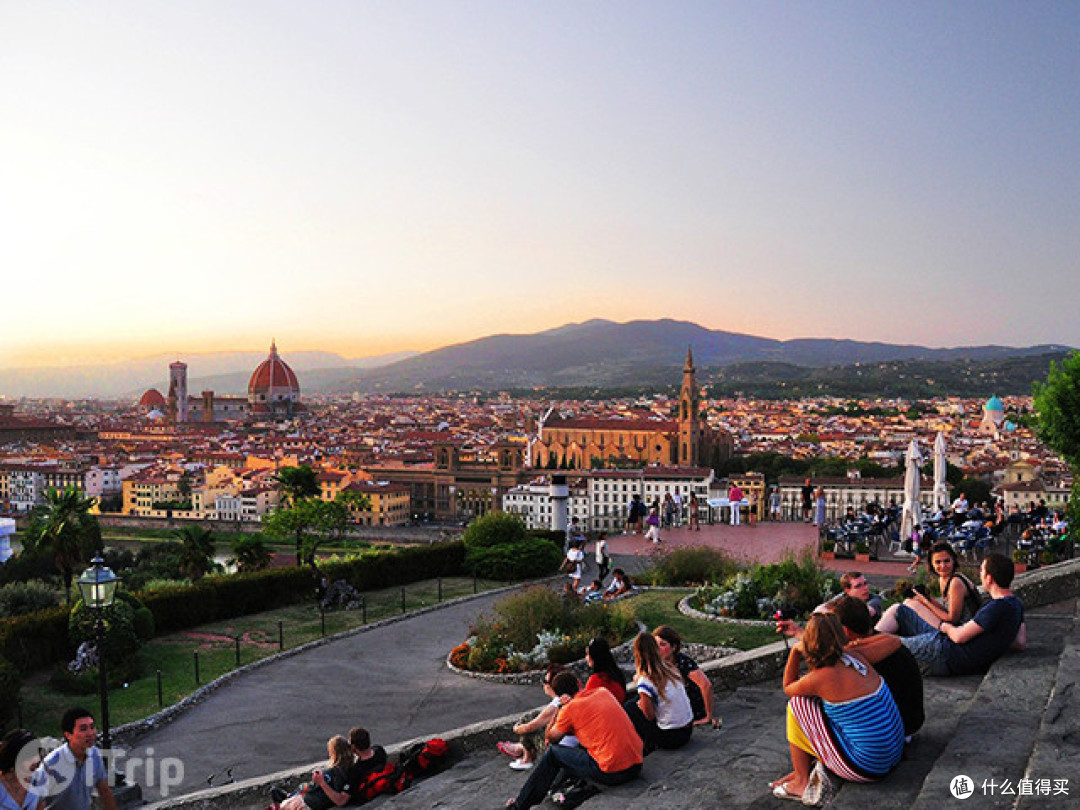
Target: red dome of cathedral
<point>273,373</point>
<point>273,387</point>
<point>153,400</point>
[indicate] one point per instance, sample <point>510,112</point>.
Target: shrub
<point>693,565</point>
<point>795,587</point>
<point>67,682</point>
<point>497,546</point>
<point>35,640</point>
<point>494,529</point>
<point>120,641</point>
<point>26,597</point>
<point>9,690</point>
<point>31,563</point>
<point>142,620</point>
<point>527,559</point>
<point>537,626</point>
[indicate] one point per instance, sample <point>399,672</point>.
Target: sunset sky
<point>365,177</point>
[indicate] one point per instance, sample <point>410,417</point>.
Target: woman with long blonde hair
<point>661,712</point>
<point>313,796</point>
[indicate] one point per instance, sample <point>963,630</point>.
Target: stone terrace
<point>1020,721</point>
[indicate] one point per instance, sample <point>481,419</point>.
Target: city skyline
<point>371,178</point>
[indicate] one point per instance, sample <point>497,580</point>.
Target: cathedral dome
<point>152,400</point>
<point>994,404</point>
<point>273,385</point>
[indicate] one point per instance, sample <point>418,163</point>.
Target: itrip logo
<point>962,787</point>
<point>48,772</point>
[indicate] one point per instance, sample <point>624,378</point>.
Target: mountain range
<point>601,354</point>
<point>596,354</point>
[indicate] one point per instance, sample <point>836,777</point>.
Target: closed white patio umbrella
<point>912,514</point>
<point>941,489</point>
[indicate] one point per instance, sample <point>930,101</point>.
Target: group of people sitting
<point>599,733</point>
<point>854,679</point>
<point>861,696</point>
<point>574,565</point>
<point>351,761</point>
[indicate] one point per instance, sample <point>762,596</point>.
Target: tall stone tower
<point>178,398</point>
<point>689,408</point>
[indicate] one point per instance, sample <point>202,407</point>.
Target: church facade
<point>595,442</point>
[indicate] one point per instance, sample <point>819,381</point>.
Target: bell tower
<point>689,408</point>
<point>178,397</point>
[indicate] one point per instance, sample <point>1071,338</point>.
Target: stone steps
<point>1020,719</point>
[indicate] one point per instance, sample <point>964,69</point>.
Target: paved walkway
<point>391,679</point>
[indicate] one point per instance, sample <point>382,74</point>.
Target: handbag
<point>819,788</point>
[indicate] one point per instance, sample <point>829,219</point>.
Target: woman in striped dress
<point>840,712</point>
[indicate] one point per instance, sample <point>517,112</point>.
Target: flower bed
<point>757,594</point>
<point>535,627</point>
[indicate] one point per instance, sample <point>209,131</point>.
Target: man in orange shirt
<point>610,750</point>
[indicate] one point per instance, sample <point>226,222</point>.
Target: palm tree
<point>63,526</point>
<point>197,556</point>
<point>250,553</point>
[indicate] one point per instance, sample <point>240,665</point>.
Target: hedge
<point>35,640</point>
<point>38,639</point>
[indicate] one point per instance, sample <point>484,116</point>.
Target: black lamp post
<point>98,588</point>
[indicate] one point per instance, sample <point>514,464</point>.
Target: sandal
<point>511,749</point>
<point>574,797</point>
<point>781,792</point>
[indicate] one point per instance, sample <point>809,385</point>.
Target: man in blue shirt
<point>972,647</point>
<point>70,773</point>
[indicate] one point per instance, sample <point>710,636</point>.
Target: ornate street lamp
<point>98,588</point>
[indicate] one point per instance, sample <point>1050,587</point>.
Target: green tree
<point>302,521</point>
<point>64,528</point>
<point>197,553</point>
<point>1057,406</point>
<point>298,485</point>
<point>250,554</point>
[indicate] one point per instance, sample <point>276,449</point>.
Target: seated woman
<point>661,712</point>
<point>606,673</point>
<point>594,592</point>
<point>698,686</point>
<point>531,728</point>
<point>312,796</point>
<point>840,712</point>
<point>620,584</point>
<point>920,613</point>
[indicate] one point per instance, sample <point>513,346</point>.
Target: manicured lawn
<point>662,607</point>
<point>174,654</point>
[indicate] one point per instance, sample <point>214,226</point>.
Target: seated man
<point>610,750</point>
<point>892,660</point>
<point>973,646</point>
<point>368,759</point>
<point>855,585</point>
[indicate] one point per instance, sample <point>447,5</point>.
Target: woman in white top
<point>661,712</point>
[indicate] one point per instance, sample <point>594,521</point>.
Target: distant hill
<point>603,354</point>
<point>222,372</point>
<point>909,379</point>
<point>596,355</point>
